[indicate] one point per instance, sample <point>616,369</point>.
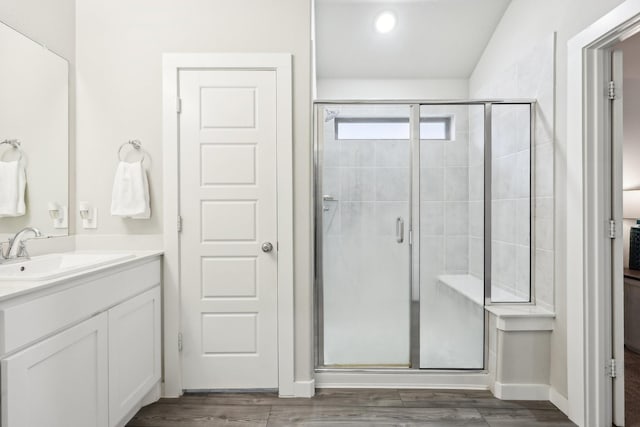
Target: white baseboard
<point>410,379</point>
<point>521,391</point>
<point>559,400</point>
<point>304,388</point>
<point>151,397</point>
<point>165,395</point>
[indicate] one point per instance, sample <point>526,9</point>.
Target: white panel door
<point>229,209</point>
<point>59,382</point>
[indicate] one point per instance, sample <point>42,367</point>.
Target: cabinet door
<point>134,352</point>
<point>59,382</point>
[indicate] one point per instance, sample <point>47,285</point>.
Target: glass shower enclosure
<point>423,216</point>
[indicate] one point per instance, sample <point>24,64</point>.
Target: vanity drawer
<point>29,321</point>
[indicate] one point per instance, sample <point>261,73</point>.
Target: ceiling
<point>433,39</point>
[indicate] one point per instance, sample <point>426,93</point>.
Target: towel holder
<point>136,145</point>
<point>16,146</point>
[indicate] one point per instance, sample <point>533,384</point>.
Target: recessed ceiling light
<point>385,22</point>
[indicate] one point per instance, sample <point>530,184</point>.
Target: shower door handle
<point>399,230</point>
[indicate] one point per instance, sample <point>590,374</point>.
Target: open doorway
<point>629,50</point>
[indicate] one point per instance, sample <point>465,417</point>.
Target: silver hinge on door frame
<point>612,369</point>
<point>612,229</point>
<point>611,90</point>
<point>178,105</point>
<point>179,341</point>
<point>179,224</point>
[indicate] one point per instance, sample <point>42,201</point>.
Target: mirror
<point>34,111</point>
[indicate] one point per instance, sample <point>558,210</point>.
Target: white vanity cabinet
<point>84,355</point>
<point>61,381</point>
<point>134,352</point>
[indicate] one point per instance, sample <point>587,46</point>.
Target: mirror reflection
<point>34,136</point>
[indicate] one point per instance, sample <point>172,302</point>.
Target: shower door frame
<point>414,229</point>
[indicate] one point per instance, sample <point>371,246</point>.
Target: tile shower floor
<point>352,407</point>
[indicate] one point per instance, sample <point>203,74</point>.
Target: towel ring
<point>137,145</point>
<point>16,146</point>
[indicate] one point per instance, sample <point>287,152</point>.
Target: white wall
<point>344,89</point>
<point>524,25</point>
<point>119,57</point>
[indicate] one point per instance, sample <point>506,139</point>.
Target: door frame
<point>616,151</point>
<point>281,63</point>
<point>589,287</point>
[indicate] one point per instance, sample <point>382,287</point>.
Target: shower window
<point>431,128</point>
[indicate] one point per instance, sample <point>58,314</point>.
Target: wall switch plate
<point>92,221</point>
<point>63,221</point>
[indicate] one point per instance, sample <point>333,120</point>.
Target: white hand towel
<point>130,196</point>
<point>13,181</point>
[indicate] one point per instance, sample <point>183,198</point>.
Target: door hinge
<point>612,369</point>
<point>178,105</point>
<point>612,90</point>
<point>612,229</point>
<point>179,224</point>
<point>410,237</point>
<point>179,341</point>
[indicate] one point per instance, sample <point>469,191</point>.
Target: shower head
<point>330,115</point>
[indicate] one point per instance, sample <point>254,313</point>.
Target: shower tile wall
<point>510,223</point>
<point>476,193</point>
<point>451,325</point>
<point>444,208</point>
<point>511,199</point>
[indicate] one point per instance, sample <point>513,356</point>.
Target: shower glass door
<point>451,229</point>
<point>364,186</point>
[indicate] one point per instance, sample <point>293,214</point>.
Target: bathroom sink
<point>45,267</point>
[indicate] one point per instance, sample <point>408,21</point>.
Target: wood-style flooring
<point>350,407</point>
<point>631,388</point>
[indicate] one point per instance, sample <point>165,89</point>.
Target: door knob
<point>267,247</point>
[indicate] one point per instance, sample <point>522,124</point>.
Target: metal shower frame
<point>414,212</point>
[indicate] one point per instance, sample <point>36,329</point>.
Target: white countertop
<point>11,288</point>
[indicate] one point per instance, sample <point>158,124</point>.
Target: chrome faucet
<point>17,245</point>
